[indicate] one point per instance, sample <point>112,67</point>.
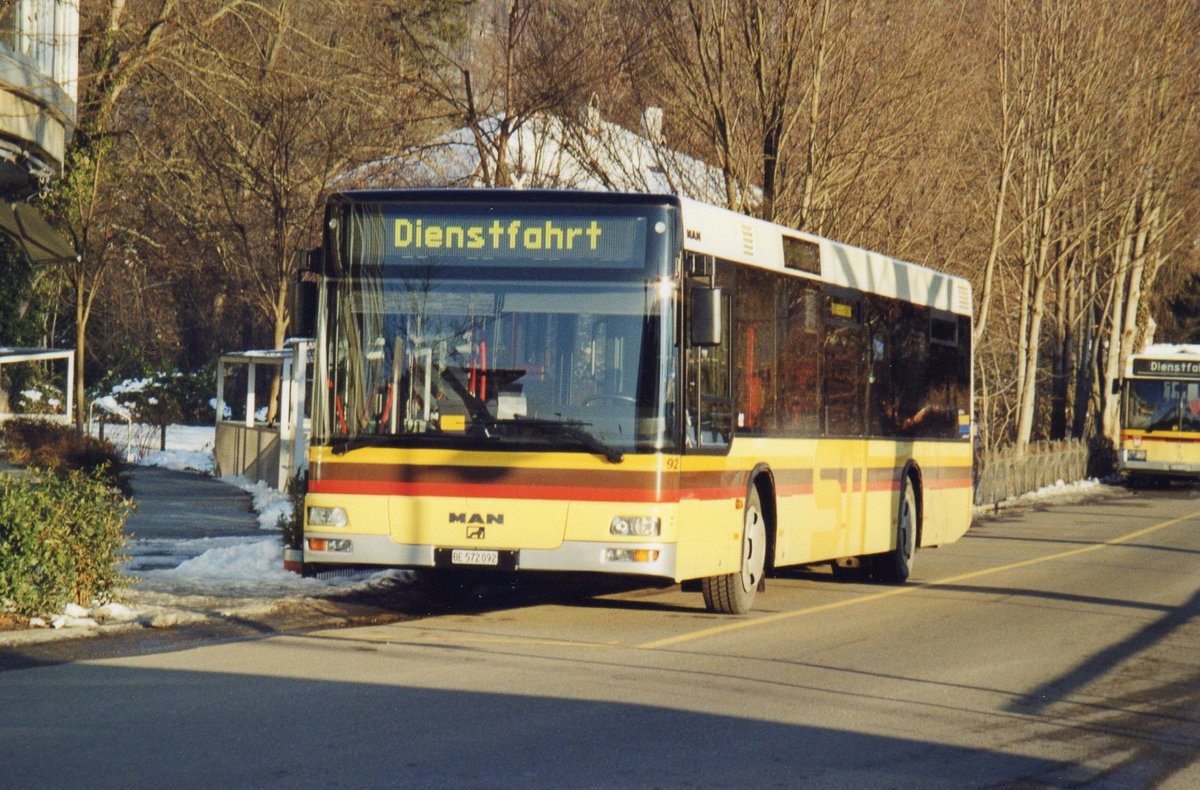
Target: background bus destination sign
<point>521,240</point>
<point>1174,368</point>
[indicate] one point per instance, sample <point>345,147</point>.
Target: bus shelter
<point>12,356</point>
<point>261,423</point>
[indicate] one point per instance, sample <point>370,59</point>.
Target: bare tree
<point>810,109</point>
<point>1160,114</point>
<point>119,45</point>
<point>518,59</point>
<point>1085,159</point>
<point>255,120</point>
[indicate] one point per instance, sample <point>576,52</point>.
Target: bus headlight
<point>327,517</point>
<point>1135,455</point>
<point>639,526</point>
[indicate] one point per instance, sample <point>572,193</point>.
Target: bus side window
<point>800,366</point>
<point>845,367</point>
<point>755,360</point>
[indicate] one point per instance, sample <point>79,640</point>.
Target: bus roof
<point>1165,361</point>
<point>496,195</point>
<point>710,230</point>
<point>1170,350</point>
<point>722,233</point>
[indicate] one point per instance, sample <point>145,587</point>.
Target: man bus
<point>1160,414</point>
<point>523,381</point>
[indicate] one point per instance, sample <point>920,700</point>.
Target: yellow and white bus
<point>628,384</point>
<point>1160,414</point>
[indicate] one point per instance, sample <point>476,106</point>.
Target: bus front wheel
<point>733,593</point>
<point>896,566</point>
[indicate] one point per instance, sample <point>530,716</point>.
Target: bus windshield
<point>493,349</point>
<point>1163,405</point>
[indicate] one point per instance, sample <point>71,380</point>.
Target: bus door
<point>710,490</point>
<point>840,474</point>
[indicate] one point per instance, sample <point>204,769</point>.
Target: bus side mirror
<point>706,316</point>
<point>304,294</point>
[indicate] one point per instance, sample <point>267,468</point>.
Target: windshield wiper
<point>571,430</point>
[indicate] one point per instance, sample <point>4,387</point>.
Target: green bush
<point>60,540</point>
<point>292,526</point>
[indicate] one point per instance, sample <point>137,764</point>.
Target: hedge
<point>60,539</point>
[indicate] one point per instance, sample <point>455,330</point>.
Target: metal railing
<point>1005,472</point>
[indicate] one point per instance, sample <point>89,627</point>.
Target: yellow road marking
<point>432,638</point>
<point>774,618</point>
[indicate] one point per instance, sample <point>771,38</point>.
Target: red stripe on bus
<point>612,486</point>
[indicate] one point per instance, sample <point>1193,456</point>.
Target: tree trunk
<point>80,347</point>
<point>1028,394</point>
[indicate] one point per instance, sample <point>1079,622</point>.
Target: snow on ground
<point>228,566</point>
<point>1061,492</point>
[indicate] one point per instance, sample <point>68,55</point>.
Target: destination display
<point>1167,368</point>
<point>413,236</point>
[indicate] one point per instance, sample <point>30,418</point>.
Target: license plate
<point>474,557</point>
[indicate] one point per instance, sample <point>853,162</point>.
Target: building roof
<point>548,152</point>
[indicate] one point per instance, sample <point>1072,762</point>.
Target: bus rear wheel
<point>733,593</point>
<point>896,566</point>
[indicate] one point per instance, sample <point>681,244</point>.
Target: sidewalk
<point>179,514</point>
<point>186,506</point>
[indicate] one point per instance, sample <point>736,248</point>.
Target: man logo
<point>475,533</point>
<point>477,518</point>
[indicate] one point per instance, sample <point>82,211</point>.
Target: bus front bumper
<point>1159,468</point>
<point>643,559</point>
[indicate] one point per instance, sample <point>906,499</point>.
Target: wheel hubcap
<point>906,528</point>
<point>754,550</point>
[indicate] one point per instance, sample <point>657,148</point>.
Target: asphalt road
<point>1055,647</point>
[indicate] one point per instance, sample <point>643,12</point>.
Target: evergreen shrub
<point>60,539</point>
<point>291,526</point>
